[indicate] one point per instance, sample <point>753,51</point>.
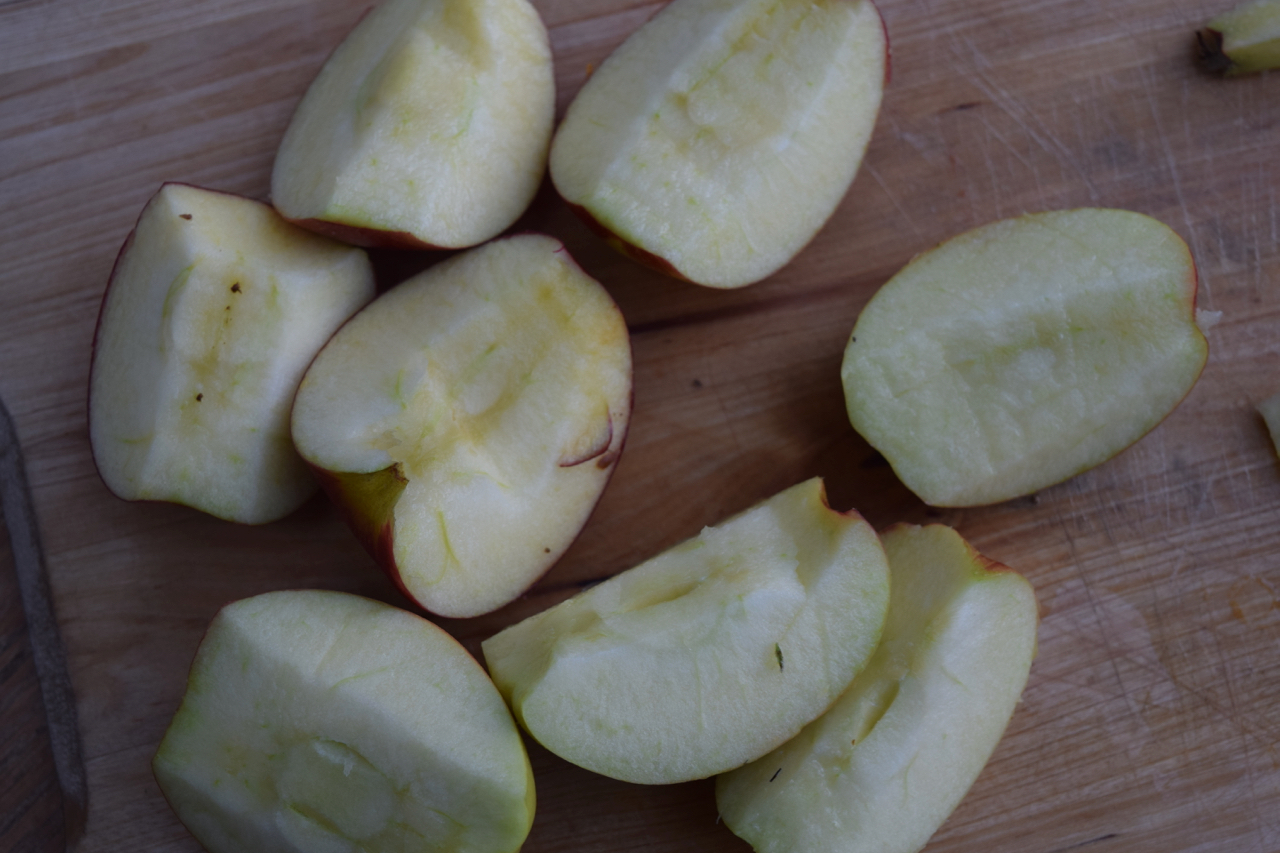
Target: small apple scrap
<point>323,721</point>
<point>708,655</point>
<point>467,421</point>
<point>214,310</point>
<point>1024,352</point>
<point>1270,411</point>
<point>428,127</point>
<point>1244,40</point>
<point>718,139</point>
<point>886,766</point>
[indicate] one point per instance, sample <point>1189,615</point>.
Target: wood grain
<point>1152,719</point>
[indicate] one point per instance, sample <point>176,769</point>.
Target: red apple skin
<point>367,238</point>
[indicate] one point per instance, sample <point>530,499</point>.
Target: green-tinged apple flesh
<point>721,136</point>
<point>1024,352</point>
<point>214,310</point>
<point>468,420</point>
<point>1244,40</point>
<point>427,128</point>
<point>708,655</point>
<point>882,770</point>
<point>322,722</point>
<point>1270,411</point>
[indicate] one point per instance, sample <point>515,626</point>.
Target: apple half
<point>214,310</point>
<point>468,420</point>
<point>322,721</point>
<point>1024,352</point>
<point>708,655</point>
<point>882,770</point>
<point>428,127</point>
<point>1244,40</point>
<point>717,140</point>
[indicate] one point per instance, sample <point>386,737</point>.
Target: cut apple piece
<point>882,770</point>
<point>468,420</point>
<point>322,721</point>
<point>707,655</point>
<point>214,310</point>
<point>717,140</point>
<point>1270,411</point>
<point>428,127</point>
<point>1017,355</point>
<point>1245,40</point>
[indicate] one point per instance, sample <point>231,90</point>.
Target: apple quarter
<point>888,763</point>
<point>428,127</point>
<point>467,421</point>
<point>708,655</point>
<point>214,310</point>
<point>323,721</point>
<point>1024,352</point>
<point>718,139</point>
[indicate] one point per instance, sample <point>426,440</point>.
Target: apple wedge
<point>1270,411</point>
<point>1244,40</point>
<point>427,128</point>
<point>214,310</point>
<point>467,421</point>
<point>707,655</point>
<point>882,770</point>
<point>322,721</point>
<point>1024,352</point>
<point>720,137</point>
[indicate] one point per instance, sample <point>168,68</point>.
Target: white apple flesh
<point>322,721</point>
<point>468,420</point>
<point>427,128</point>
<point>1024,352</point>
<point>707,655</point>
<point>886,766</point>
<point>214,310</point>
<point>720,137</point>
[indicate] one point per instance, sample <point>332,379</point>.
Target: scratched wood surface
<point>1152,718</point>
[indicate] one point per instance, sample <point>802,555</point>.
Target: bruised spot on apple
<point>323,721</point>
<point>717,140</point>
<point>467,421</point>
<point>707,655</point>
<point>885,766</point>
<point>428,127</point>
<point>1024,352</point>
<point>214,310</point>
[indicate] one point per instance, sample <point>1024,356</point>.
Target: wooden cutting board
<point>1152,718</point>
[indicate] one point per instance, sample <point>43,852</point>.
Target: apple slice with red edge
<point>1243,40</point>
<point>708,655</point>
<point>322,721</point>
<point>886,766</point>
<point>467,421</point>
<point>428,127</point>
<point>1024,352</point>
<point>717,140</point>
<point>213,311</point>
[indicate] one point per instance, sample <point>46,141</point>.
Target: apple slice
<point>468,420</point>
<point>322,721</point>
<point>894,756</point>
<point>1270,411</point>
<point>1245,40</point>
<point>1019,354</point>
<point>428,127</point>
<point>707,655</point>
<point>214,310</point>
<point>717,140</point>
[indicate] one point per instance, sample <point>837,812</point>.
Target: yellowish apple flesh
<point>886,766</point>
<point>322,721</point>
<point>468,420</point>
<point>214,310</point>
<point>717,140</point>
<point>707,655</point>
<point>1024,352</point>
<point>1244,40</point>
<point>428,127</point>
